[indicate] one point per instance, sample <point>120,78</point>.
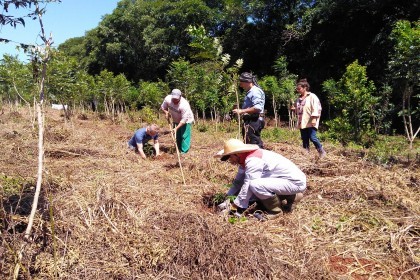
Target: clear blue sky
<point>65,20</point>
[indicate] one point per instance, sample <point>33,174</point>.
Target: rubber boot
<point>287,201</point>
<point>272,205</point>
<point>321,152</point>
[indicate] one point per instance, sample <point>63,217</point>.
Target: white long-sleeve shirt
<point>264,164</point>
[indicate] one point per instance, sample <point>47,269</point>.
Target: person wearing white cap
<point>263,175</point>
<point>179,109</point>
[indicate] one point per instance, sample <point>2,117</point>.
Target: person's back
<point>274,165</point>
<point>142,136</point>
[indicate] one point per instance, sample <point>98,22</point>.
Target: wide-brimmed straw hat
<point>234,146</point>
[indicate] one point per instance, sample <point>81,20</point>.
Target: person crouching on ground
<point>179,109</point>
<point>263,175</point>
<point>142,136</point>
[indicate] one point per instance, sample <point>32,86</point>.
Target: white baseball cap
<point>176,93</point>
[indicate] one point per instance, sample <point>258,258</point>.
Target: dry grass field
<point>105,213</point>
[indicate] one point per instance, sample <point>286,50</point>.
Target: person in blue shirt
<point>252,110</point>
<point>142,136</point>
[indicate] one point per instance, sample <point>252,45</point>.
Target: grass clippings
<point>107,214</point>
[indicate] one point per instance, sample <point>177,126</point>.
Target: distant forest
<point>319,38</point>
<point>341,47</point>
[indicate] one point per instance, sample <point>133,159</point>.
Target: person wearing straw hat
<point>263,175</point>
<point>142,136</point>
<point>252,110</point>
<point>176,106</point>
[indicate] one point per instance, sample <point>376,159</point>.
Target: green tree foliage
<point>384,113</point>
<point>352,97</point>
<point>287,84</point>
<point>8,19</point>
<point>180,75</point>
<point>198,46</point>
<point>203,47</point>
<point>404,66</point>
<point>141,38</point>
<point>61,84</point>
<point>272,92</point>
<point>332,34</point>
<point>110,90</point>
<point>254,29</point>
<point>85,90</point>
<point>208,82</point>
<point>17,82</point>
<point>33,10</point>
<point>151,94</point>
<point>76,48</point>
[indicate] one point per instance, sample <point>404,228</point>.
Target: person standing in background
<point>177,107</point>
<point>308,109</point>
<point>252,111</point>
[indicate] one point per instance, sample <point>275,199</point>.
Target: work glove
<point>224,205</point>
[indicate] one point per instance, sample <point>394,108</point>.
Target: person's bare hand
<point>237,111</point>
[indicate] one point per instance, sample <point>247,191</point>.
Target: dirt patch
<point>71,153</point>
<point>355,268</point>
<point>10,135</point>
<point>56,135</point>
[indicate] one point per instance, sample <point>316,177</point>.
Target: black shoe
<point>287,201</point>
<point>287,208</point>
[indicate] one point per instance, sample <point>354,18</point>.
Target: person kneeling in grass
<point>142,136</point>
<point>264,176</point>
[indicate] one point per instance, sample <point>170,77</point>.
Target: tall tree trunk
<point>239,117</point>
<point>408,125</point>
<point>41,123</point>
<point>275,111</point>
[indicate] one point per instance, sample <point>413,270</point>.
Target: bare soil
<point>105,213</point>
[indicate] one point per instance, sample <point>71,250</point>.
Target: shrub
<point>277,134</point>
<point>148,115</point>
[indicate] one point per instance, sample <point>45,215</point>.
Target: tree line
<point>360,57</point>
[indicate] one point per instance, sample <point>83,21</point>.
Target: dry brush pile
<point>106,214</point>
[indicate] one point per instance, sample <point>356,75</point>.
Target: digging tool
<point>239,116</point>
<point>176,147</point>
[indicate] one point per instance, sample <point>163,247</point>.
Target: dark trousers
<point>307,134</point>
<point>251,131</point>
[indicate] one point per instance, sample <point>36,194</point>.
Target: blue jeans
<point>307,134</point>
